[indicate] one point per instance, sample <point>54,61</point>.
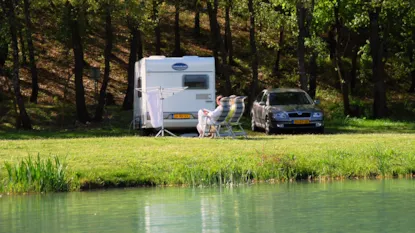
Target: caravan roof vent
<point>157,57</point>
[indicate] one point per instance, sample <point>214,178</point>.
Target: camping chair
<point>220,127</point>
<point>238,108</point>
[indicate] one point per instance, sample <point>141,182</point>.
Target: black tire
<point>320,131</point>
<point>145,132</point>
<point>268,126</point>
<point>254,128</point>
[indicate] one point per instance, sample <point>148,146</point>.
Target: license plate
<point>181,116</point>
<point>301,122</point>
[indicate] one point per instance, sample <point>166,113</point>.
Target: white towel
<point>154,108</point>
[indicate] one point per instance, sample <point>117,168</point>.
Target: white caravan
<point>179,110</point>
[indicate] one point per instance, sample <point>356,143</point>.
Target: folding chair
<point>218,127</point>
<point>238,107</point>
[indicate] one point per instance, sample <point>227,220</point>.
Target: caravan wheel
<point>145,132</point>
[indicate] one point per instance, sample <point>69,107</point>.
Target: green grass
<point>40,175</point>
<point>134,161</point>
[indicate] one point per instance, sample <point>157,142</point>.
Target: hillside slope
<point>56,79</point>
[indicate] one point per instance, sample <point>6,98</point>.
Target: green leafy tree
<point>106,8</point>
<point>156,22</point>
<point>138,16</point>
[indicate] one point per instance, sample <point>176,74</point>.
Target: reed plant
<point>36,175</point>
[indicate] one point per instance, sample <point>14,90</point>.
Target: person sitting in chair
<point>213,115</point>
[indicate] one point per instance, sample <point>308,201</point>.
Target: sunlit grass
<point>132,161</point>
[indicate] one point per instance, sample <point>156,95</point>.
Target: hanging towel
<point>154,108</point>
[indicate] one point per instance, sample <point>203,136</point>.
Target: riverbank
<point>133,161</point>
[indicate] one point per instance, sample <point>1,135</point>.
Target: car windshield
<point>288,98</point>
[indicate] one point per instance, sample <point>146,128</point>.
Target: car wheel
<point>253,126</point>
<point>268,128</point>
<point>320,131</point>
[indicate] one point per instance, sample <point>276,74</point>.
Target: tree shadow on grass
<point>362,126</point>
<point>61,134</point>
<point>116,123</point>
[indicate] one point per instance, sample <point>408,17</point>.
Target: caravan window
<point>196,81</point>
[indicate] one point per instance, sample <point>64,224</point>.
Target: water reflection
<point>364,206</point>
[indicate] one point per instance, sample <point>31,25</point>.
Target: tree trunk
<point>33,68</point>
<point>4,51</point>
<point>4,43</point>
<point>157,30</point>
<point>337,60</point>
<point>301,16</point>
<point>129,96</point>
<point>411,61</point>
<point>22,45</point>
<point>228,33</point>
<point>376,50</point>
<point>331,42</point>
<point>78,51</point>
<point>254,54</point>
<point>139,46</point>
<point>177,49</point>
<point>213,31</point>
<point>353,72</point>
<point>276,69</point>
<point>107,54</point>
<point>23,116</point>
<point>313,75</point>
<point>196,30</point>
<point>218,45</point>
<point>223,53</point>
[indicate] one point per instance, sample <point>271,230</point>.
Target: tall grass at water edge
<point>262,167</point>
<point>36,175</point>
<point>274,168</point>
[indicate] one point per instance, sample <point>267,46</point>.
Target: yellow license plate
<point>181,116</point>
<point>301,122</point>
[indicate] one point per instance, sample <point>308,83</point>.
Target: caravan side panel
<point>180,110</point>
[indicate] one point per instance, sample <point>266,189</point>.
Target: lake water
<point>341,206</point>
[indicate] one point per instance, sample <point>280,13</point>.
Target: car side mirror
<point>317,102</point>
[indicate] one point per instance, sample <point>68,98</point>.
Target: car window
<point>289,98</point>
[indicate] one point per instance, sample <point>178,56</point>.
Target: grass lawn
<point>130,161</point>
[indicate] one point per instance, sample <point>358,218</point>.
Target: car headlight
<point>317,114</point>
<point>280,115</point>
